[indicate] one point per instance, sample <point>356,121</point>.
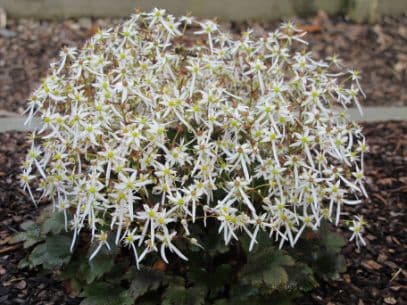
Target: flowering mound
<point>142,137</point>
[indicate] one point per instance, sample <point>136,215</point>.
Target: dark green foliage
<point>106,294</point>
<point>102,263</point>
<point>143,281</point>
<point>30,236</point>
<point>266,268</point>
<point>54,224</point>
<point>218,275</point>
<point>51,254</point>
<point>180,295</point>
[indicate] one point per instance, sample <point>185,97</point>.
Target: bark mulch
<point>376,274</point>
<point>379,51</point>
<point>20,286</point>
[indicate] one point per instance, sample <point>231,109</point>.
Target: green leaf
<point>105,294</point>
<point>54,224</point>
<point>244,295</point>
<point>341,264</point>
<point>30,236</point>
<point>75,269</point>
<point>266,268</point>
<point>38,255</point>
<point>28,225</point>
<point>53,253</point>
<point>208,238</point>
<point>149,299</point>
<point>333,242</point>
<point>263,242</point>
<point>112,252</point>
<point>116,274</point>
<point>214,280</point>
<point>145,280</point>
<point>301,278</point>
<point>23,263</point>
<point>58,250</point>
<point>275,277</point>
<point>18,238</point>
<point>179,295</point>
<point>98,266</point>
<point>221,302</point>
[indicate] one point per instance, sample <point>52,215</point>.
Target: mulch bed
<point>20,286</point>
<point>376,274</point>
<point>379,51</point>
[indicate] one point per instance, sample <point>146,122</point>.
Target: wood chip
<point>382,258</point>
<point>371,265</point>
<point>390,300</point>
<point>9,248</point>
<point>21,285</point>
<point>386,181</point>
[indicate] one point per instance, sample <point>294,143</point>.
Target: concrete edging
<point>371,114</point>
<point>360,10</point>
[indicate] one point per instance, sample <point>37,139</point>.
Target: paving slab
<point>225,9</point>
<point>361,10</point>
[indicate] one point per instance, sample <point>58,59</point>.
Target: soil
<point>376,274</point>
<point>378,51</point>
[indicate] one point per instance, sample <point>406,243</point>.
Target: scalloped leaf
<point>301,277</point>
<point>103,293</point>
<point>145,280</point>
<point>333,242</point>
<point>266,268</point>
<point>53,253</point>
<point>179,295</point>
<point>215,280</point>
<point>30,236</point>
<point>55,223</point>
<point>98,266</point>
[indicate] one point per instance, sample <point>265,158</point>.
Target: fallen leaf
<point>10,248</point>
<point>311,28</point>
<point>160,265</point>
<point>382,258</point>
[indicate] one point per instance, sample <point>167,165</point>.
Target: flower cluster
<point>142,137</point>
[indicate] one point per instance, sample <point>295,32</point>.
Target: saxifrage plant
<point>210,158</point>
<point>217,274</point>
